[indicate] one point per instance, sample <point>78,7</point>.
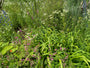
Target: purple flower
<point>28,43</point>
<point>55,49</point>
<point>20,30</point>
<point>25,48</point>
<point>16,37</point>
<point>63,60</point>
<point>11,24</point>
<point>51,59</point>
<point>64,65</point>
<point>16,42</point>
<point>0,20</point>
<point>2,63</point>
<point>35,50</point>
<point>8,23</point>
<point>7,66</point>
<point>5,16</point>
<point>28,59</point>
<point>40,57</point>
<point>1,16</point>
<point>22,59</point>
<point>33,55</point>
<point>49,54</point>
<point>19,40</point>
<point>37,46</point>
<point>66,57</point>
<point>64,48</point>
<point>4,12</point>
<point>54,53</point>
<point>38,53</point>
<point>60,48</point>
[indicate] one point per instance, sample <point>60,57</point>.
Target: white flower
<point>62,14</point>
<point>56,12</point>
<point>64,10</point>
<point>51,17</point>
<point>89,20</point>
<point>43,22</point>
<point>88,11</point>
<point>28,33</point>
<point>44,14</point>
<point>25,28</point>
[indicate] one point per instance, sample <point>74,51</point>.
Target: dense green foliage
<point>44,34</point>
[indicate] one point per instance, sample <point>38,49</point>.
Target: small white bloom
<point>44,14</point>
<point>28,33</point>
<point>25,28</point>
<point>18,32</point>
<point>64,10</point>
<point>55,12</point>
<point>62,14</point>
<point>88,11</point>
<point>51,17</point>
<point>43,22</point>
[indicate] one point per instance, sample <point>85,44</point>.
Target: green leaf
<point>4,44</point>
<point>30,54</point>
<point>1,43</point>
<point>5,49</point>
<point>14,49</point>
<point>61,66</point>
<point>48,59</point>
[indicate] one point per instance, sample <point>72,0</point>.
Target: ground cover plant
<point>44,34</point>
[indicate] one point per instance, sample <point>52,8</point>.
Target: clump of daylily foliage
<point>41,34</point>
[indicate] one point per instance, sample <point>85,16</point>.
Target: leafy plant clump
<point>44,34</point>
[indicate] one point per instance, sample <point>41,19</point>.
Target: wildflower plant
<point>58,41</point>
<point>6,27</point>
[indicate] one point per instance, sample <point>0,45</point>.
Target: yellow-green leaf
<point>5,49</point>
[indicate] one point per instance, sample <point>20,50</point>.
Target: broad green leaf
<point>6,49</point>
